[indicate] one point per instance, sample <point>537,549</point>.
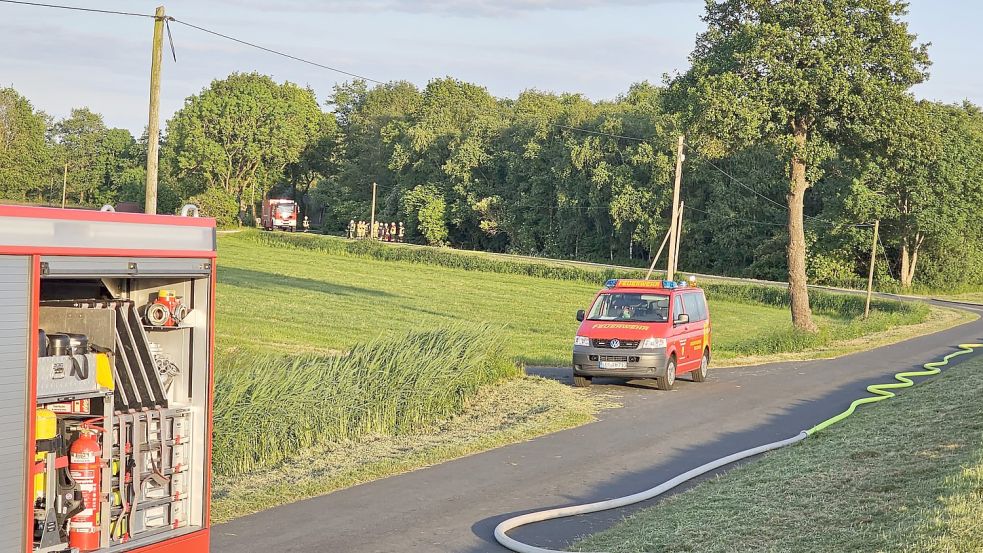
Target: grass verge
<point>937,320</point>
<point>497,415</point>
<point>972,297</point>
<point>903,475</point>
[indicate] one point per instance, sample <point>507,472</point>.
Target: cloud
<point>467,8</point>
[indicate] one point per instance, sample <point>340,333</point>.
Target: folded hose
<point>880,391</point>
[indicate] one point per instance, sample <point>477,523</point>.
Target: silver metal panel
<point>15,297</point>
<point>55,266</point>
<point>102,235</point>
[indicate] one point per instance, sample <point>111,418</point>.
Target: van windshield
<point>645,308</point>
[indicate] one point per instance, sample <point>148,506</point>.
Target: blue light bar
<point>611,283</point>
<point>668,284</point>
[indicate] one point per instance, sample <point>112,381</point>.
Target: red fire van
<point>643,329</point>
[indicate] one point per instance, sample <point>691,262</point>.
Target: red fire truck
<point>105,399</point>
<point>280,214</point>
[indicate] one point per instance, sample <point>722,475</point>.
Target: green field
<point>903,475</point>
<point>291,299</point>
<point>384,359</point>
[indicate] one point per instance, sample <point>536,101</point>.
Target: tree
<point>921,178</point>
<point>806,76</point>
<point>447,146</point>
<point>319,160</point>
<point>240,133</point>
<point>367,119</point>
<point>25,160</point>
<point>80,138</point>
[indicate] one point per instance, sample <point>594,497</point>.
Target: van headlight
<point>581,341</point>
<point>653,343</point>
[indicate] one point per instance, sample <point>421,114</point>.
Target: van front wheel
<point>667,378</point>
<point>581,381</point>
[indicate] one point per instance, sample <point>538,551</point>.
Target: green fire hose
<point>880,393</point>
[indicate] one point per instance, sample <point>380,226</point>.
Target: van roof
<point>639,284</point>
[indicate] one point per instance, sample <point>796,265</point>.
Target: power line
<point>198,27</point>
<point>78,8</point>
<point>277,52</point>
<point>735,179</point>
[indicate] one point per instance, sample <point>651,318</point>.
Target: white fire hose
<point>562,512</point>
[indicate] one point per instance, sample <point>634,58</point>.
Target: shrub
<point>425,209</point>
<point>217,203</point>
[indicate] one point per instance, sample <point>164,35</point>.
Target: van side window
<point>677,307</point>
<point>694,307</point>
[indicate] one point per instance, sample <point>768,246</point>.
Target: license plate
<point>614,364</point>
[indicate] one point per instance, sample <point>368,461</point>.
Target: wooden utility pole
<point>64,186</point>
<point>870,275</point>
<point>679,232</point>
<point>673,243</point>
<point>153,128</point>
<point>372,219</point>
<point>658,255</point>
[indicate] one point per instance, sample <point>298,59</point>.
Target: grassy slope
<point>902,475</point>
<point>327,302</point>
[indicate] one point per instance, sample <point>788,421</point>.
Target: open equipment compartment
<point>106,381</point>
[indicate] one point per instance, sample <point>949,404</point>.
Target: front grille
<point>603,343</point>
<point>614,358</point>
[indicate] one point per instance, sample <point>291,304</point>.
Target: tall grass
<point>268,409</point>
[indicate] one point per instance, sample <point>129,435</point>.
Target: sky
<point>63,59</point>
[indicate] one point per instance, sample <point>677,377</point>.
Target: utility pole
<point>372,220</point>
<point>64,186</point>
<point>658,255</point>
<point>153,128</point>
<point>673,242</point>
<point>679,233</point>
<point>870,275</point>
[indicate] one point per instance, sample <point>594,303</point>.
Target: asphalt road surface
<point>656,435</point>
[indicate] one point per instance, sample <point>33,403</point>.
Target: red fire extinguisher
<point>85,465</point>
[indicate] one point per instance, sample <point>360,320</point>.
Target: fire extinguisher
<point>85,466</point>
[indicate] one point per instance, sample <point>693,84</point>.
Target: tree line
<point>800,124</point>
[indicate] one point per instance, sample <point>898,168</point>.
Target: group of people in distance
<point>387,232</point>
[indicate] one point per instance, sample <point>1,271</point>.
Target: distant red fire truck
<point>280,214</point>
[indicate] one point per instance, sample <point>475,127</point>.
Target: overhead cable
<point>78,8</point>
<point>277,52</point>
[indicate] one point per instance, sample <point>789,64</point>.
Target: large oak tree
<point>804,75</point>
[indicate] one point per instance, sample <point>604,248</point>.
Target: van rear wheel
<point>582,381</point>
<point>700,374</point>
<point>667,377</point>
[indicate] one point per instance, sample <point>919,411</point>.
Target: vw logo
<point>615,344</point>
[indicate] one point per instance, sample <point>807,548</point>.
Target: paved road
<point>455,506</point>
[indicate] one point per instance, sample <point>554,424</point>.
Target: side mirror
<point>581,315</point>
<point>682,319</point>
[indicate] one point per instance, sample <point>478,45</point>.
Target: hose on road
<point>880,393</point>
